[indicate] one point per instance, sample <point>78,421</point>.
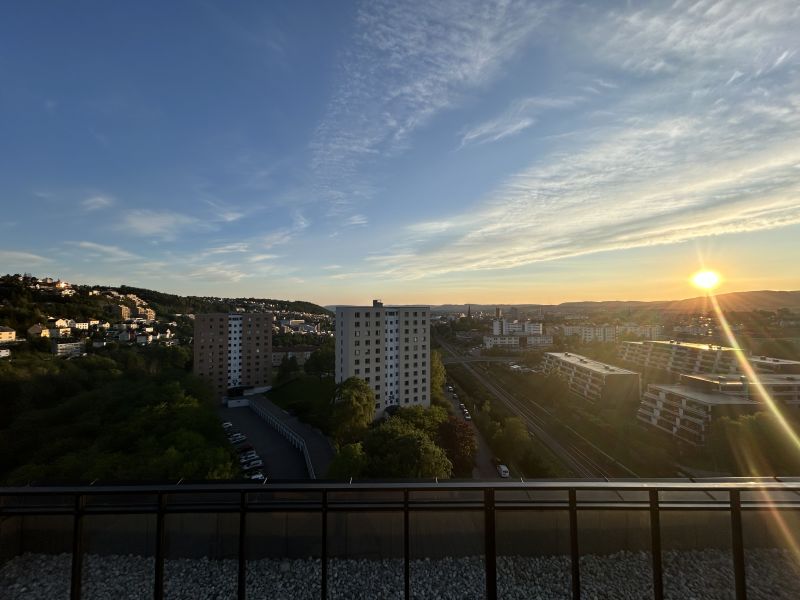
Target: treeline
<point>174,304</point>
<point>122,414</point>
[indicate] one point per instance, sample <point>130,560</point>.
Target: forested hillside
<point>122,414</point>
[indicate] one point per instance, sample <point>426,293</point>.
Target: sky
<point>483,151</point>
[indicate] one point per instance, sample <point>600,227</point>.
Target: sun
<point>706,280</point>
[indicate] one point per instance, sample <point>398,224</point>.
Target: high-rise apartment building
<point>389,348</point>
<point>233,350</point>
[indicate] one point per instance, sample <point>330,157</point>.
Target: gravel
<point>692,574</point>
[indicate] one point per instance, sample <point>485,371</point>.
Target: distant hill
<point>172,303</point>
<point>770,300</point>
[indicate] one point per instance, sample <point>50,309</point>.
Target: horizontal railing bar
<point>318,487</point>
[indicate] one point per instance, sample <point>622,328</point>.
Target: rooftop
<point>689,345</point>
<point>711,398</point>
<point>592,365</point>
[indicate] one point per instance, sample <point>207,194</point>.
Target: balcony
<point>549,539</point>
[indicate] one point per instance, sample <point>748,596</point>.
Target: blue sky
<point>464,151</point>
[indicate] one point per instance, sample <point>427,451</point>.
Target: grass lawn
<point>307,397</point>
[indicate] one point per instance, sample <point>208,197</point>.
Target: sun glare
<point>706,280</point>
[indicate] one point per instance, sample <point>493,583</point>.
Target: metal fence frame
<point>21,501</point>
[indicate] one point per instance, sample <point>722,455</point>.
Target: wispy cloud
<point>284,235</point>
<point>234,247</point>
<point>667,165</point>
<point>15,259</point>
<point>355,220</point>
<point>166,225</point>
<point>521,115</point>
<point>97,202</point>
<point>110,253</point>
<point>411,60</point>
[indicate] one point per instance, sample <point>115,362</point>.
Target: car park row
<point>249,461</point>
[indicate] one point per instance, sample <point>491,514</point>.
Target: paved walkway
<point>281,459</point>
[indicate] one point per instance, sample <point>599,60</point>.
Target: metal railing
<point>654,498</point>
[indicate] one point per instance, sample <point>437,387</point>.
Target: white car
<point>253,464</point>
<point>227,425</point>
<point>235,439</point>
<point>248,457</point>
<point>258,476</point>
<point>502,470</point>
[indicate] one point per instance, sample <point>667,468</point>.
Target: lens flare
<point>706,280</point>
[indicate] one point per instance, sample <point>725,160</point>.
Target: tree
<point>438,376</point>
<point>457,439</point>
<point>350,461</point>
<point>353,410</point>
<point>287,369</point>
<point>322,361</point>
<point>397,449</point>
<point>425,419</point>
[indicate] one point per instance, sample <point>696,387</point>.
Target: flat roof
<point>715,398</point>
<point>729,378</point>
<point>592,365</point>
<point>768,360</point>
<point>696,345</point>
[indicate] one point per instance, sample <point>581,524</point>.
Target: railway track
<point>574,458</point>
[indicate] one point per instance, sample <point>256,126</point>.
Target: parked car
<point>227,425</point>
<point>256,475</point>
<point>461,406</point>
<point>502,470</point>
<point>236,438</point>
<point>253,464</point>
<point>246,458</point>
<point>467,417</point>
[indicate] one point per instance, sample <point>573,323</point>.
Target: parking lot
<point>281,459</point>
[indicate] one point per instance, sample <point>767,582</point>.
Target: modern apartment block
<point>596,382</point>
<point>688,410</point>
<point>233,350</point>
<point>389,348</point>
<point>592,333</point>
<point>687,357</point>
<point>120,312</point>
<point>517,342</point>
<point>507,327</point>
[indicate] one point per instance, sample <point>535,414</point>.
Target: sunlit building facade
<point>389,348</point>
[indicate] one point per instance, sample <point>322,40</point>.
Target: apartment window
<point>366,315</point>
<point>357,361</point>
<point>357,324</point>
<point>358,343</point>
<point>358,315</point>
<point>377,405</point>
<point>358,352</point>
<point>358,371</point>
<point>367,371</point>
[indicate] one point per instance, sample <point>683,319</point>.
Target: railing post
<point>737,545</point>
<point>406,548</point>
<point>76,578</point>
<point>573,545</point>
<point>324,559</point>
<point>158,584</point>
<point>490,544</point>
<point>242,581</point>
<point>655,546</point>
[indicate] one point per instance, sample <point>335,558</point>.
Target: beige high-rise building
<point>389,348</point>
<point>233,350</point>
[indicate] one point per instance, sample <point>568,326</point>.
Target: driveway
<point>484,468</point>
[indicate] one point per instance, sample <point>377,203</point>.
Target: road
<point>484,467</point>
<point>574,453</point>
